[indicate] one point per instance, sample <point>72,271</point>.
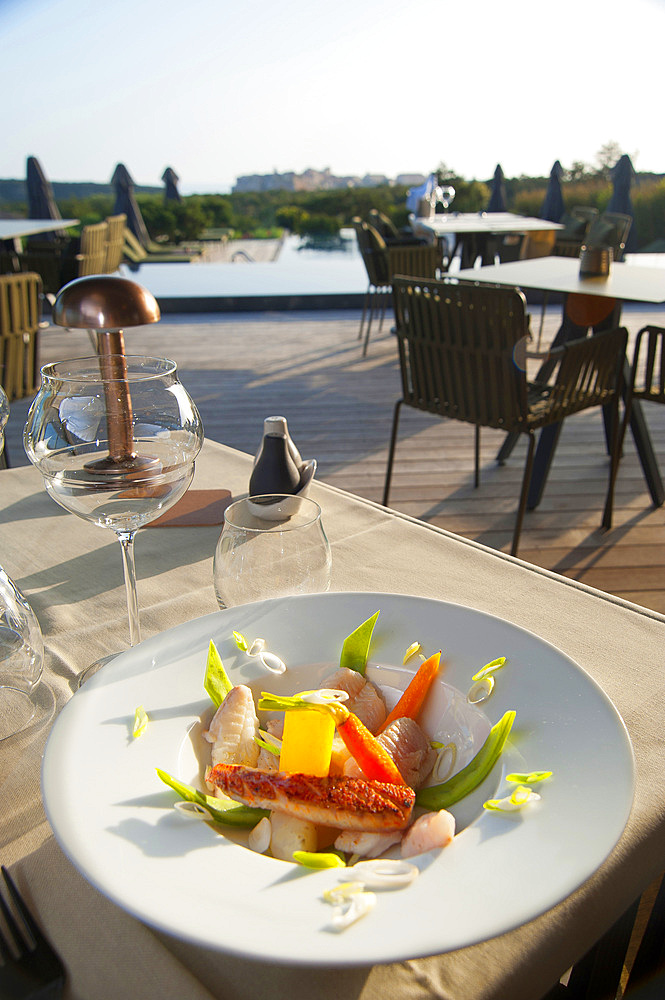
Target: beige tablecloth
<point>71,573</point>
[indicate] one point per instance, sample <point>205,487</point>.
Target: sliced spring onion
<point>385,873</point>
<point>190,809</point>
<point>342,892</point>
<point>481,690</point>
<point>414,648</point>
<point>257,647</point>
<point>319,859</point>
<point>140,722</point>
<point>360,904</point>
<point>323,696</point>
<point>272,662</point>
<point>266,741</point>
<point>286,703</point>
<point>216,681</point>
<point>355,647</point>
<point>445,762</point>
<point>442,796</point>
<point>259,836</point>
<point>528,777</point>
<point>518,798</point>
<point>489,668</point>
<point>240,641</point>
<point>224,811</point>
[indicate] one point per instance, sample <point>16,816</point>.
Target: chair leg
<point>362,318</point>
<point>526,480</point>
<point>618,436</point>
<point>372,310</point>
<point>476,477</point>
<point>391,452</point>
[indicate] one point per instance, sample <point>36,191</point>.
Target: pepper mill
<point>277,464</point>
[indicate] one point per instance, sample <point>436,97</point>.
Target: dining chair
<point>389,232</point>
<point>382,262</point>
<point>20,313</point>
<point>610,229</point>
<point>462,356</point>
<point>115,241</point>
<point>646,382</point>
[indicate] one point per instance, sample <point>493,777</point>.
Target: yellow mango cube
<point>307,742</point>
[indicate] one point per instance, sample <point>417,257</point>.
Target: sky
<point>220,88</point>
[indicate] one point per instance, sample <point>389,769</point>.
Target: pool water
<point>304,270</point>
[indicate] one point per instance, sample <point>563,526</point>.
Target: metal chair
<point>382,262</point>
<point>646,382</point>
<point>458,345</point>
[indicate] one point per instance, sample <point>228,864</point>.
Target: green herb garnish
<point>355,647</point>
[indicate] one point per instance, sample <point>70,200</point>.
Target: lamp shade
<point>104,302</point>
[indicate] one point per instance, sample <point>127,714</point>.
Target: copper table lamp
<point>107,304</point>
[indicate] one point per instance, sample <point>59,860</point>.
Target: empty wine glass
<point>115,439</point>
<point>271,546</point>
<point>21,658</point>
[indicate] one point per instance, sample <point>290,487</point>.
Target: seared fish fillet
<point>338,801</point>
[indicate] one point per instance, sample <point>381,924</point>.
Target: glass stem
<point>126,539</point>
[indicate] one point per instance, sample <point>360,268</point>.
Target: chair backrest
<point>570,239</point>
<point>414,261</point>
<point>373,251</point>
<point>132,249</point>
<point>648,371</point>
<point>610,229</point>
<point>458,346</point>
<point>383,225</point>
<point>115,241</point>
<point>92,255</point>
<point>20,312</point>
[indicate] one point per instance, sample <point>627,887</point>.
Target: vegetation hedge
<point>268,213</point>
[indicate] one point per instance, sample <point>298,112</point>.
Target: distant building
<point>317,180</point>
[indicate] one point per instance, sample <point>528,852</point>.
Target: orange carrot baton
<point>371,757</point>
<point>412,700</point>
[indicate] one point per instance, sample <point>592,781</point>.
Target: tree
<point>607,156</point>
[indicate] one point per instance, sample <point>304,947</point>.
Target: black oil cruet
<point>277,464</point>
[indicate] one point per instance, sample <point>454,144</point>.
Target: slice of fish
<point>233,729</point>
<point>431,831</point>
<point>345,803</point>
<point>410,749</point>
<point>365,699</point>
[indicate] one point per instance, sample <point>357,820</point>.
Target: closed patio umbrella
<point>41,200</point>
<point>171,179</point>
<point>497,202</point>
<point>125,203</point>
<point>553,208</point>
<point>622,178</point>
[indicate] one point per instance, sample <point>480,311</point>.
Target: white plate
<point>115,820</point>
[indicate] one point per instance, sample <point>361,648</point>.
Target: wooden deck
<point>308,366</point>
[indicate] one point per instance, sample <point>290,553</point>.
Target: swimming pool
<point>305,275</point>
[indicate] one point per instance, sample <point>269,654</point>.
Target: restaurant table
<point>470,229</point>
<point>15,229</point>
<point>625,282</point>
<point>70,572</point>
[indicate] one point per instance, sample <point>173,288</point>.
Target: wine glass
<point>115,439</point>
<point>271,546</point>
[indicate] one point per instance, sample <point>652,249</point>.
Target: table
<point>491,223</point>
<point>471,230</point>
<point>14,229</point>
<point>71,573</point>
<point>627,282</point>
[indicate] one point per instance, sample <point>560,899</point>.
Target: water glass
<point>271,546</point>
<point>21,658</point>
